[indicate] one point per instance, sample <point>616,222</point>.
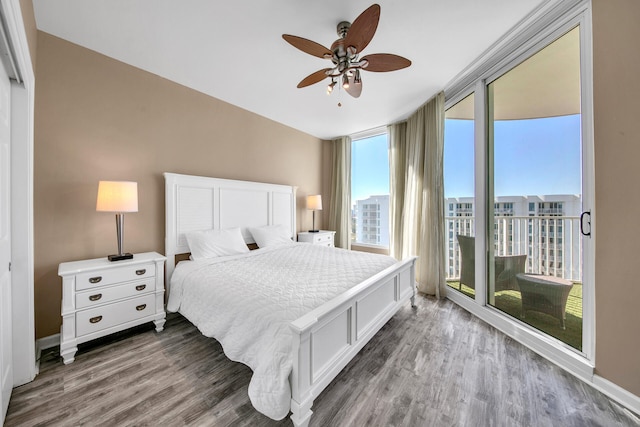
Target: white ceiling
<point>234,51</point>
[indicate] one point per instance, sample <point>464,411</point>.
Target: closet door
<point>6,366</point>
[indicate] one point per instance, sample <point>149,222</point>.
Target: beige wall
<point>617,155</point>
<point>97,118</point>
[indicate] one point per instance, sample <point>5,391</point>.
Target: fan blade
<point>308,46</point>
<point>314,78</point>
<point>363,28</point>
<point>354,89</point>
<point>382,62</point>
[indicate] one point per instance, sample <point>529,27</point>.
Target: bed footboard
<point>326,339</point>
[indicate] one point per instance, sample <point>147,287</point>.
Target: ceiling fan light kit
<point>344,54</point>
<point>345,81</point>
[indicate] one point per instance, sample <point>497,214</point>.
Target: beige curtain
<point>397,178</point>
<point>417,194</point>
<point>340,203</point>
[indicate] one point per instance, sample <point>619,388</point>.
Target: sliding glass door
<point>534,191</point>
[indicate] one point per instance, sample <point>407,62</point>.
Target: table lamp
<point>118,197</point>
<point>314,203</point>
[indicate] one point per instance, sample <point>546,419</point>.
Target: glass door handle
<point>588,233</point>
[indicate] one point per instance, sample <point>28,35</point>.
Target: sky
<point>532,157</point>
<point>369,167</point>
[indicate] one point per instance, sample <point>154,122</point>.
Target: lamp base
<point>120,257</point>
<point>314,231</point>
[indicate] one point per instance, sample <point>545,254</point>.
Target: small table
<point>545,294</point>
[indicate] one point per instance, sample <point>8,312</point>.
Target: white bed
<point>318,343</point>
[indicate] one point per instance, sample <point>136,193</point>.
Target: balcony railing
<point>550,211</point>
<point>552,244</point>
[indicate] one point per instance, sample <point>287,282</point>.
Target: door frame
<point>547,22</point>
<point>22,132</point>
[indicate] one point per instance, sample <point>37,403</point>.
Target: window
<point>370,190</point>
<point>459,184</point>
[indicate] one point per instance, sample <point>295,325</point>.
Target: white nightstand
<point>100,297</point>
<point>322,237</point>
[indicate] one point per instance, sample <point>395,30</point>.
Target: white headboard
<point>194,203</point>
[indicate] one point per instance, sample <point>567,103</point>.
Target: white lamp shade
<point>117,196</point>
<point>314,203</point>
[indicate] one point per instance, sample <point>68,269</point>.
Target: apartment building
<point>545,227</point>
<point>370,221</point>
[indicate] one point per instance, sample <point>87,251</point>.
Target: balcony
<point>550,211</point>
<point>503,212</point>
<point>555,252</point>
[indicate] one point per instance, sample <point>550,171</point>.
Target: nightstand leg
<point>159,324</point>
<point>68,354</point>
<point>68,343</point>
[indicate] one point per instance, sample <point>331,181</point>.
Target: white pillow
<point>270,235</point>
<point>215,243</point>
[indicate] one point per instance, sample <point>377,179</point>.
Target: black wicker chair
<point>506,267</point>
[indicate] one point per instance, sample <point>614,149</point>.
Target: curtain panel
<point>397,179</point>
<point>416,205</point>
<point>340,202</point>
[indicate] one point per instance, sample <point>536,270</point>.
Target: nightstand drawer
<point>107,294</point>
<point>323,239</point>
<point>114,275</point>
<point>96,319</point>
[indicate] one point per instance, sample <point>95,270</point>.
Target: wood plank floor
<point>432,366</point>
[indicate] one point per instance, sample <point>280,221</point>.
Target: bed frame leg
<point>413,301</point>
<point>301,415</point>
<point>301,420</point>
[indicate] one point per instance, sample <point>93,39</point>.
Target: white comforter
<point>246,302</point>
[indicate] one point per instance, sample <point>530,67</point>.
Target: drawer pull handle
<point>140,287</point>
<point>141,307</point>
<point>95,319</point>
<point>141,272</point>
<point>95,297</point>
<point>95,279</point>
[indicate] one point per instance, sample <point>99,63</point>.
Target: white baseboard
<point>619,394</point>
<point>43,344</point>
<point>47,342</point>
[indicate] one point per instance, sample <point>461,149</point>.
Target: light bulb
<point>330,87</point>
<point>345,81</point>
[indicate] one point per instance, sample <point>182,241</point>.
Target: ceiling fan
<point>344,54</point>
